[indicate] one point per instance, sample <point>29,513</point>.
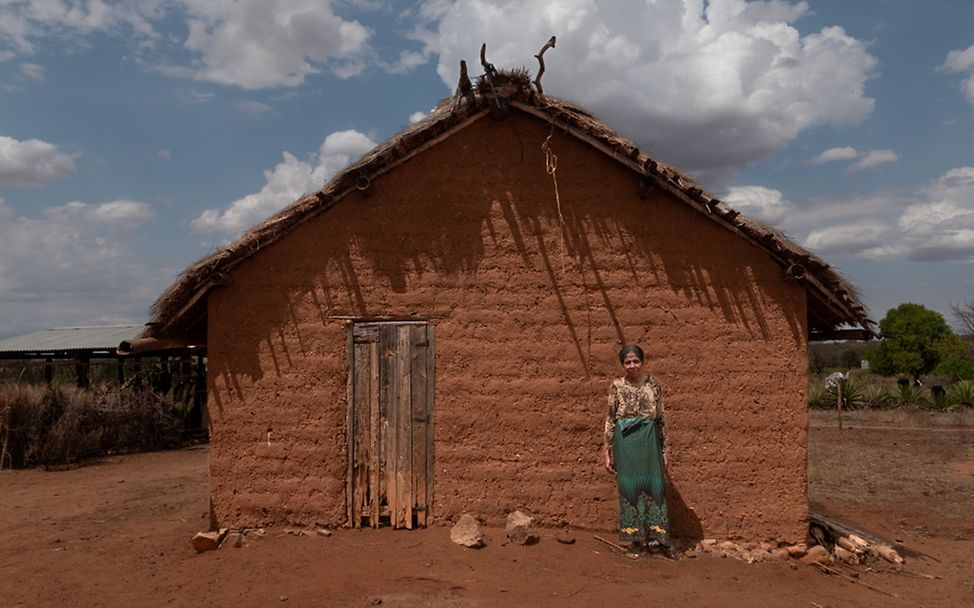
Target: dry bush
<point>60,425</point>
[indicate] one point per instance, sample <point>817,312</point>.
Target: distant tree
<point>955,368</point>
<point>915,340</point>
<point>965,315</point>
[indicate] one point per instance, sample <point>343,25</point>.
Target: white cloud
<point>967,86</point>
<point>856,238</point>
<point>258,44</point>
<point>286,182</point>
<point>760,203</point>
<point>934,222</point>
<point>873,159</point>
<point>867,159</point>
<point>164,153</point>
<point>961,61</point>
<point>32,163</point>
<point>416,117</point>
<point>253,107</point>
<point>34,71</point>
<point>711,85</point>
<point>23,23</point>
<point>89,271</point>
<point>834,154</point>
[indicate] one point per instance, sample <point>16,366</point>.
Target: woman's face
<point>633,365</point>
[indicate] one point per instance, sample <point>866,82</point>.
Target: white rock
<point>468,532</point>
<point>521,529</point>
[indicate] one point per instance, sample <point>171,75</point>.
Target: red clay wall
<point>530,308</point>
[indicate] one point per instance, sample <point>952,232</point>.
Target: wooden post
<point>838,402</point>
<point>48,371</point>
<point>81,370</point>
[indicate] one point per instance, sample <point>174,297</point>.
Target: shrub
<point>961,394</point>
<point>62,425</point>
<point>851,394</point>
<point>955,368</point>
<point>820,399</point>
<point>909,394</point>
<point>877,396</point>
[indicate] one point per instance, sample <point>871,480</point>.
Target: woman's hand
<point>609,464</point>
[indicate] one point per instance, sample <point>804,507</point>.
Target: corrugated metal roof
<point>105,337</point>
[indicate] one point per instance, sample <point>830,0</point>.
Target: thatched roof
<point>833,303</point>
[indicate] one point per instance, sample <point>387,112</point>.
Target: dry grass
<point>60,425</point>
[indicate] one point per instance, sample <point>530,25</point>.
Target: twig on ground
<point>853,580</point>
<point>619,548</point>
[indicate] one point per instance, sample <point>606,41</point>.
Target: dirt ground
<point>116,533</point>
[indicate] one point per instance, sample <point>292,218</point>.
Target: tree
<point>965,314</point>
<point>915,340</point>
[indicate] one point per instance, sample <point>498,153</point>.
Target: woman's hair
<point>631,349</point>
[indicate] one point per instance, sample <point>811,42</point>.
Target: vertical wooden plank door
<point>390,424</point>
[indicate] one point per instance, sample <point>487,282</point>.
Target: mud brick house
<point>435,332</point>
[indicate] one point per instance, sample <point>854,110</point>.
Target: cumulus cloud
<point>712,85</point>
<point>959,62</point>
<point>257,44</point>
<point>874,158</point>
<point>934,222</point>
<point>760,203</point>
<point>416,117</point>
<point>834,154</point>
<point>252,44</point>
<point>868,159</point>
<point>32,163</point>
<point>89,263</point>
<point>286,182</point>
<point>23,23</point>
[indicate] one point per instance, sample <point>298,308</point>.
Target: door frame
<point>421,515</point>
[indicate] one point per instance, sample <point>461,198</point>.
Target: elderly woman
<point>636,451</point>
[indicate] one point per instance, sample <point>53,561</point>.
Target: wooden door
<point>390,424</point>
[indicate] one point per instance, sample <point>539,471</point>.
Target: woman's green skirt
<point>642,485</point>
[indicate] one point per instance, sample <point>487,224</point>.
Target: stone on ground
<point>208,541</point>
<point>565,537</point>
<point>468,532</point>
<point>816,554</point>
<point>521,528</point>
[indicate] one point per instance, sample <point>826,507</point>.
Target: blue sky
<point>136,137</point>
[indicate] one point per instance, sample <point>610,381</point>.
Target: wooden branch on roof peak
<point>540,57</point>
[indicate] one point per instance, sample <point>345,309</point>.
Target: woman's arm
<point>609,430</point>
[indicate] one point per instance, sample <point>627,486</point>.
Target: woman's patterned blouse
<point>626,400</point>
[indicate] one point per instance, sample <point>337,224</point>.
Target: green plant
<point>820,399</point>
<point>909,394</point>
<point>956,368</point>
<point>915,340</point>
<point>877,396</point>
<point>851,394</point>
<point>961,394</point>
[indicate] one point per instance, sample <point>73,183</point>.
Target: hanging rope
<point>551,167</point>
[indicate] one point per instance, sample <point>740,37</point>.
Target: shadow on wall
<point>684,522</point>
<point>417,243</point>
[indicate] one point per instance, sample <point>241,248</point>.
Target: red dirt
<point>117,533</point>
